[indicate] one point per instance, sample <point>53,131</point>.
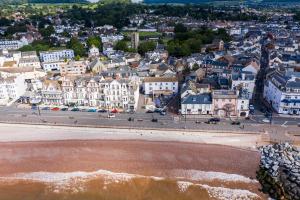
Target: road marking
<point>284,124</point>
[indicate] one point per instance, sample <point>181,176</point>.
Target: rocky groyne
<point>279,172</point>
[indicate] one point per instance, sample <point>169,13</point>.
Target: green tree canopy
<point>94,41</point>
<point>121,45</point>
<point>77,47</point>
<point>146,46</point>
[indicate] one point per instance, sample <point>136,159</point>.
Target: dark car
<point>149,111</point>
<point>46,108</point>
<point>213,120</point>
<point>34,107</point>
<point>235,123</point>
<point>102,111</point>
<point>131,119</point>
<point>75,109</point>
<point>64,109</point>
<point>154,120</point>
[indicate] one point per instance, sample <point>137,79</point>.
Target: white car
<point>111,115</point>
<point>266,120</point>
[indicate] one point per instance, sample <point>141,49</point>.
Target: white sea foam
<point>197,175</point>
<point>74,181</point>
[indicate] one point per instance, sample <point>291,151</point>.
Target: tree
<point>180,28</point>
<point>47,32</point>
<point>121,45</point>
<point>146,46</point>
<point>94,41</point>
<point>77,47</point>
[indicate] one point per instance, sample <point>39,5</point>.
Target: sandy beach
<point>212,162</point>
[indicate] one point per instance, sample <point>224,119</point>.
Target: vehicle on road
<point>64,109</point>
<point>130,119</point>
<point>266,120</point>
<point>92,110</point>
<point>213,120</point>
<point>114,111</point>
<point>111,115</point>
<point>163,113</point>
<point>154,120</point>
<point>55,109</point>
<point>251,107</point>
<point>75,109</point>
<point>140,120</point>
<point>102,111</point>
<point>33,107</point>
<point>149,111</point>
<point>198,122</point>
<point>84,110</point>
<point>46,108</point>
<point>235,123</point>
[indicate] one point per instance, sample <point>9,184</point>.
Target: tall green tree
<point>146,46</point>
<point>94,41</point>
<point>77,47</point>
<point>121,45</point>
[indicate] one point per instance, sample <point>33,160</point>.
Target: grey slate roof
<point>197,99</point>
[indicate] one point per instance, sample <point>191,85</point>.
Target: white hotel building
<point>12,44</point>
<point>282,92</point>
<point>160,85</point>
<point>57,55</point>
<point>11,88</point>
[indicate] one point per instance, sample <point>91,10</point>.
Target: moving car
<point>131,119</point>
<point>111,115</point>
<point>154,120</point>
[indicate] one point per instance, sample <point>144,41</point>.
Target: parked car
<point>75,109</point>
<point>198,122</point>
<point>251,107</point>
<point>55,109</point>
<point>235,123</point>
<point>111,115</point>
<point>92,110</point>
<point>64,109</point>
<point>102,111</point>
<point>149,111</point>
<point>214,120</point>
<point>163,113</point>
<point>114,111</point>
<point>84,110</point>
<point>46,108</point>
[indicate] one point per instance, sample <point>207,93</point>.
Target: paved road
<point>142,120</point>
